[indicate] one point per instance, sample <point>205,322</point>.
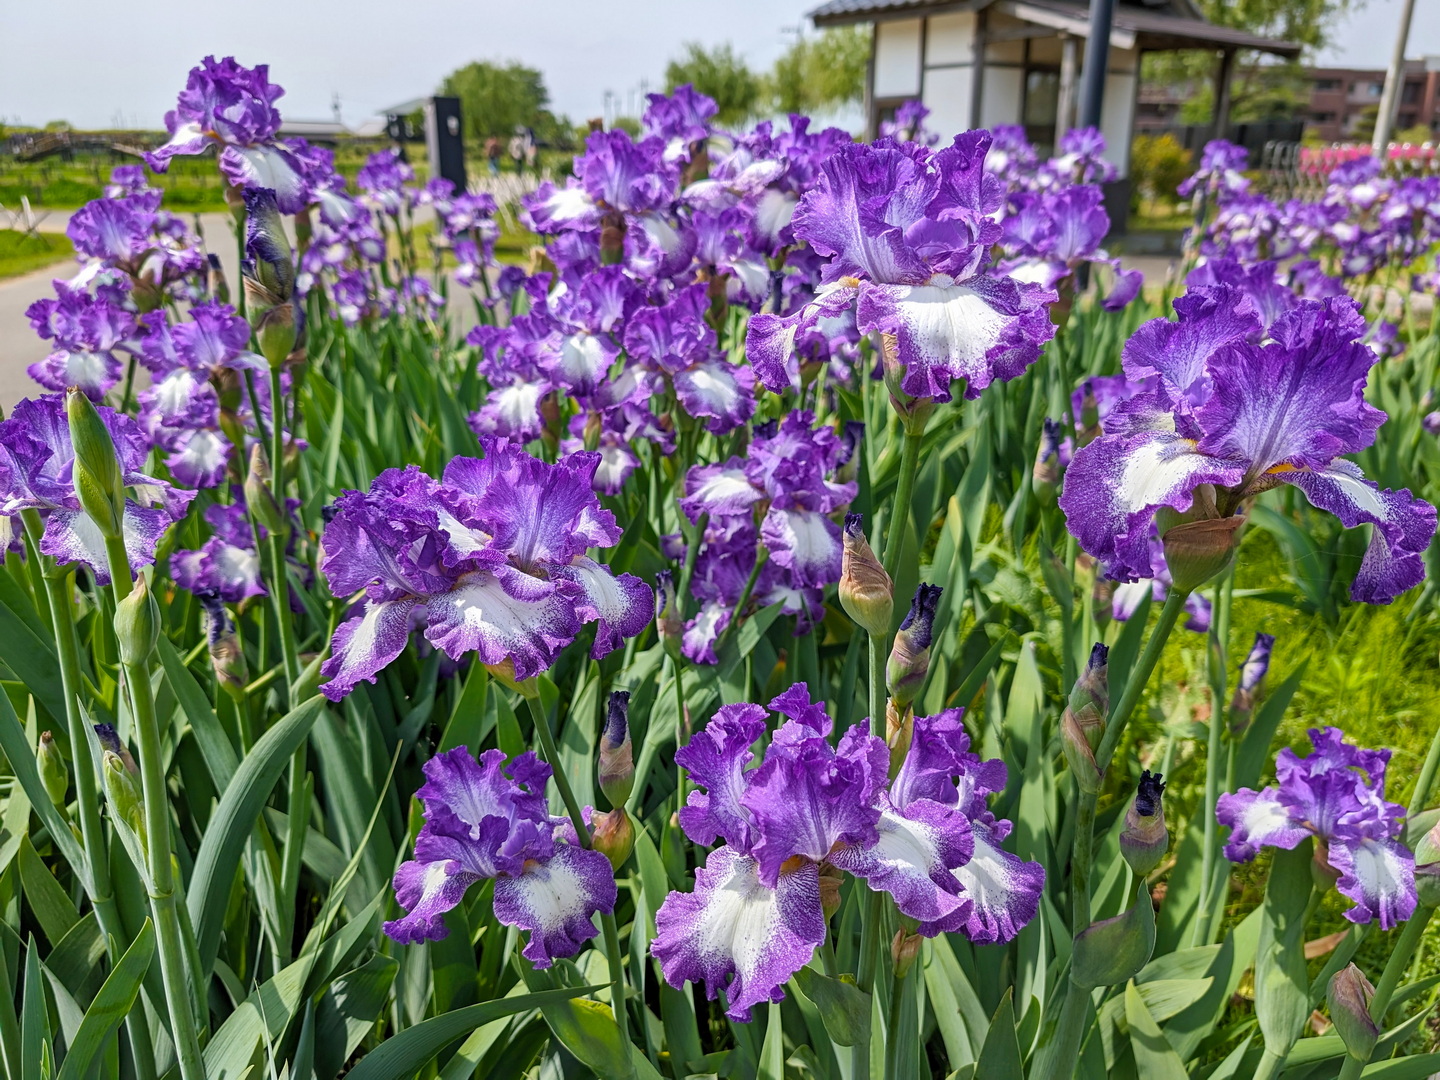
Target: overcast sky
<point>100,64</point>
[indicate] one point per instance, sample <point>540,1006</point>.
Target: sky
<point>102,64</point>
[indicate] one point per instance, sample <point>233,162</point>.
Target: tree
<point>821,72</point>
<point>1260,89</point>
<point>722,75</point>
<point>496,98</point>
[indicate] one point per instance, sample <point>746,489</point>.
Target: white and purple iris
<point>490,559</point>
<point>809,807</point>
<point>232,107</point>
<point>484,819</point>
<point>1228,418</point>
<point>790,472</point>
<point>1336,795</point>
<point>36,473</point>
<point>908,233</point>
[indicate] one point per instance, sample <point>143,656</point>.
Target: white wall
<point>1117,119</point>
<point>947,96</point>
<point>897,58</point>
<point>950,38</point>
<point>1000,99</point>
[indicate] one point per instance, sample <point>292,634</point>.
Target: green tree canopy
<point>821,72</point>
<point>1260,89</point>
<point>721,74</point>
<point>496,97</point>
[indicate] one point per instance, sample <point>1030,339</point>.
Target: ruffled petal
<point>1379,875</point>
<point>913,859</point>
<point>1115,485</point>
<point>716,759</point>
<point>982,330</point>
<point>72,536</point>
<point>805,542</point>
<point>365,645</point>
<point>735,934</point>
<point>719,490</point>
<point>1256,819</point>
<point>1403,526</point>
<point>621,606</point>
<point>722,392</point>
<point>426,890</point>
<point>556,900</point>
<point>480,614</point>
<point>266,167</point>
<point>1003,890</point>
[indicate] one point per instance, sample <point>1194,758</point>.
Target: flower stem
<point>1395,969</point>
<point>904,491</point>
<point>1059,1058</point>
<point>87,800</point>
<point>160,878</point>
<point>894,1047</point>
<point>1427,777</point>
<point>582,834</point>
<point>1217,640</point>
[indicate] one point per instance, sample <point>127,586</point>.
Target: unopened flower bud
<point>219,286</point>
<point>1427,868</point>
<point>1145,839</point>
<point>866,592</point>
<point>137,624</point>
<point>904,948</point>
<point>54,773</point>
<point>613,835</point>
<point>1199,544</point>
<point>269,277</point>
<point>899,734</point>
<point>851,436</point>
<point>1349,997</point>
<point>1082,725</point>
<point>1252,678</point>
<point>1046,472</point>
<point>913,411</point>
<point>617,763</point>
<point>127,808</point>
<point>831,879</point>
<point>99,483</point>
<point>910,656</point>
<point>668,624</point>
<point>227,656</point>
<point>109,740</point>
<point>258,498</point>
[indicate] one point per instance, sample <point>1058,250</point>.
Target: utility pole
<point>1097,59</point>
<point>1394,80</point>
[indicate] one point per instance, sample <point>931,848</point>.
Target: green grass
<point>21,253</point>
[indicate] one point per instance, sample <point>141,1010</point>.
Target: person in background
<point>492,155</point>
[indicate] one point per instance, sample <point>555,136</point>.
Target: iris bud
<point>127,808</point>
<point>913,411</point>
<point>258,499</point>
<point>98,480</point>
<point>1199,544</point>
<point>669,626</point>
<point>1046,473</point>
<point>866,592</point>
<point>109,739</point>
<point>1112,951</point>
<point>851,435</point>
<point>1082,725</point>
<point>910,656</point>
<point>1145,839</point>
<point>613,835</point>
<point>899,733</point>
<point>1089,415</point>
<point>1427,868</point>
<point>226,655</point>
<point>617,763</point>
<point>137,624</point>
<point>1349,997</point>
<point>1252,678</point>
<point>269,277</point>
<point>904,948</point>
<point>53,772</point>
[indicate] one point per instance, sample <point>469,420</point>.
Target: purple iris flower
<point>679,118</point>
<point>908,233</point>
<point>791,471</point>
<point>1221,166</point>
<point>227,565</point>
<point>228,105</point>
<point>1337,795</point>
<point>89,332</point>
<point>809,808</point>
<point>908,124</point>
<point>484,819</point>
<point>1230,419</point>
<point>383,177</point>
<point>490,559</point>
<point>36,463</point>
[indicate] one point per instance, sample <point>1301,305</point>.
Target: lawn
<point>20,253</point>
